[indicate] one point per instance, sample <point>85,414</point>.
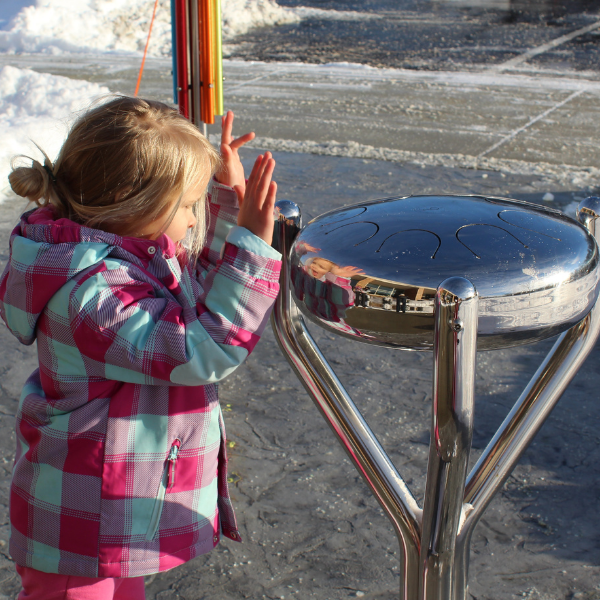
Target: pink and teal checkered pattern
<point>121,467</point>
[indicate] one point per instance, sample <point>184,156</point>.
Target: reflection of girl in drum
<point>323,286</point>
<point>319,267</point>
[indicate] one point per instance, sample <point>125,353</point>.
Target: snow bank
<point>37,107</point>
<point>57,26</point>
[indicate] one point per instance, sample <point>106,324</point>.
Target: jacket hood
<point>46,252</point>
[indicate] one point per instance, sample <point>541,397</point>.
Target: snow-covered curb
<point>568,176</point>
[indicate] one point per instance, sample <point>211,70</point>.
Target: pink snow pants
<point>49,586</point>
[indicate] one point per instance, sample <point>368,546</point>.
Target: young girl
<point>120,468</point>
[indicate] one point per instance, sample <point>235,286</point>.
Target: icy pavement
<point>479,120</point>
<point>543,126</point>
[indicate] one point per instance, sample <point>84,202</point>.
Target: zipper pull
<point>171,459</point>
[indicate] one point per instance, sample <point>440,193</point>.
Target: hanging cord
<point>137,87</point>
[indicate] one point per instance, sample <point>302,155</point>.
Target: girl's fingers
<point>269,204</point>
<point>258,170</point>
<point>256,212</point>
<point>225,151</point>
<point>255,170</point>
<point>243,139</point>
<point>252,178</point>
<point>264,180</point>
<point>226,128</point>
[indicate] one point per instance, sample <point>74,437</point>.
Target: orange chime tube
<point>207,87</point>
<point>218,57</point>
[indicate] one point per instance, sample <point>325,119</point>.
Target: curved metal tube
<point>346,421</point>
<point>529,413</point>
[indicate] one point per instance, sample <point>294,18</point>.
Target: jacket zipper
<point>167,481</point>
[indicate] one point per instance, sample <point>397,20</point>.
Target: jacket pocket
<point>167,481</point>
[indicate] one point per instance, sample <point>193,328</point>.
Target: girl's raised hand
<point>347,272</point>
<point>257,201</point>
<point>231,172</point>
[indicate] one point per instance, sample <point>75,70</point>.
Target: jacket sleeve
<point>198,333</point>
<point>328,299</point>
<point>222,213</point>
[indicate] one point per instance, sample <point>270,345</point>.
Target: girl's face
<point>320,266</point>
<point>183,219</point>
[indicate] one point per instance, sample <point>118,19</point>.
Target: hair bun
<point>31,182</point>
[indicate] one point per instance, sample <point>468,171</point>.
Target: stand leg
<point>346,422</point>
<point>454,350</point>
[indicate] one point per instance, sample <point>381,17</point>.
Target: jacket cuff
<point>246,240</point>
<point>223,195</point>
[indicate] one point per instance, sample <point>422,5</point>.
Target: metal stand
<point>435,542</point>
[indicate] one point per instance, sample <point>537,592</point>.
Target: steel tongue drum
<point>375,268</point>
<point>450,274</point>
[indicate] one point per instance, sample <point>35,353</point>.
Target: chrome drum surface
<point>370,271</point>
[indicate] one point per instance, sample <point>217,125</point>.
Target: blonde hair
<point>123,165</point>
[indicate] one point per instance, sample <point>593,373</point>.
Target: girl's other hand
<point>257,201</point>
<point>231,172</point>
<point>347,272</point>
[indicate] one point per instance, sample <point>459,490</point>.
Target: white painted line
<point>236,87</point>
<point>517,60</point>
<point>516,132</point>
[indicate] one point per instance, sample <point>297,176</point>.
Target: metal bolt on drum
<point>448,274</point>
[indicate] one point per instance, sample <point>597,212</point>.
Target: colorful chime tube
<point>197,59</point>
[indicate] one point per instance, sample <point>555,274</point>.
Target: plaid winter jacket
<point>120,467</point>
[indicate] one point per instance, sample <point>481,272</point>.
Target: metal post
<point>454,352</point>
